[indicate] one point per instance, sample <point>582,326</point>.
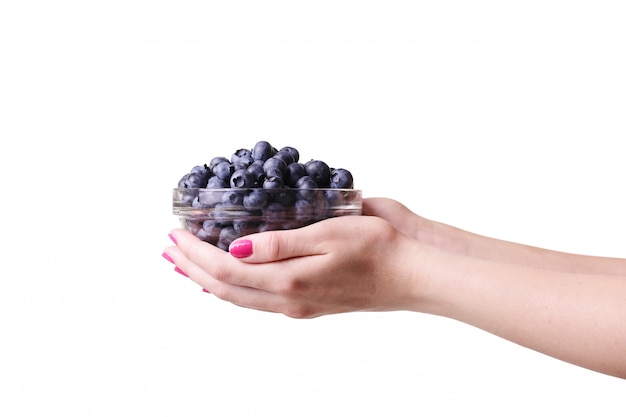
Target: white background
<point>504,118</point>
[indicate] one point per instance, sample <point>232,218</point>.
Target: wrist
<point>429,271</point>
<point>443,236</point>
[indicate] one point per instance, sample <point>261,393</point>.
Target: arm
<point>576,317</point>
<point>363,263</point>
<point>452,239</point>
<point>559,293</point>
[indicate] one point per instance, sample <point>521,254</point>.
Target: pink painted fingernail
<point>173,238</point>
<point>206,291</point>
<point>168,257</point>
<point>241,248</point>
<point>180,271</point>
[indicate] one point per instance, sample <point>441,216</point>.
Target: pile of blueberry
<point>258,189</point>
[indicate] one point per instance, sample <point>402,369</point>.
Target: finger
<point>191,253</point>
<point>185,267</point>
<point>242,296</point>
<point>277,245</point>
<point>400,216</point>
<point>205,264</point>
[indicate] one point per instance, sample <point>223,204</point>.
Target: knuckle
<point>294,287</point>
<point>196,251</point>
<point>220,273</point>
<point>299,311</point>
<point>223,294</point>
<point>272,245</point>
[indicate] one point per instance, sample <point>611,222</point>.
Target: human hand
<point>351,263</point>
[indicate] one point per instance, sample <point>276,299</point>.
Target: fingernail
<point>241,248</point>
<point>180,271</point>
<point>173,238</point>
<point>206,291</point>
<point>168,257</point>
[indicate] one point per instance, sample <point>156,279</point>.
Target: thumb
<point>275,245</point>
<point>385,208</point>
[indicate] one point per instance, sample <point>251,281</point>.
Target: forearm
<point>577,318</point>
<point>455,240</point>
<point>463,242</point>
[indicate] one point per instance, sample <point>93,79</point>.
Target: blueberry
<point>321,208</point>
<point>195,203</point>
<point>183,180</point>
<point>243,163</point>
<point>304,210</point>
<point>335,199</point>
<point>202,170</point>
<point>285,196</point>
<point>209,198</point>
<point>216,161</point>
<point>293,151</point>
<point>194,226</point>
<point>275,211</point>
<point>256,169</point>
<point>255,199</point>
<point>274,172</point>
<point>216,182</point>
<point>221,214</point>
<point>305,181</point>
<point>274,167</point>
<point>245,227</point>
<point>242,159</point>
<point>262,150</point>
<point>258,189</point>
<point>307,188</point>
<point>273,183</point>
<point>193,180</point>
<point>285,156</point>
<point>242,179</point>
<point>227,235</point>
<point>212,231</point>
<point>293,173</point>
<point>320,171</point>
<point>232,198</point>
<point>241,154</point>
<point>223,170</point>
<point>341,178</point>
<point>201,234</point>
<point>186,196</point>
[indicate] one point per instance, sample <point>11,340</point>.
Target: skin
<point>571,307</point>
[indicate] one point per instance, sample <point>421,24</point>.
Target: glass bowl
<point>219,216</point>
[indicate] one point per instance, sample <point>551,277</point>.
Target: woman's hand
<point>352,263</point>
<point>568,306</point>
